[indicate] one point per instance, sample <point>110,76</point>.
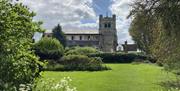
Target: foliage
<point>81,63</point>
<point>75,59</point>
<point>49,85</point>
<point>49,48</point>
<point>52,85</point>
<point>19,65</point>
<point>81,51</point>
<point>162,19</point>
<point>121,57</point>
<point>54,67</point>
<point>20,71</point>
<point>171,85</point>
<point>59,35</point>
<point>141,32</point>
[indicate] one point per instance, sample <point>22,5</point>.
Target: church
<point>104,39</point>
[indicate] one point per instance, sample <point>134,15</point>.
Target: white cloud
<point>121,8</point>
<point>68,13</point>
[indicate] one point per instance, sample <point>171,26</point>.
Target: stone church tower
<point>108,33</point>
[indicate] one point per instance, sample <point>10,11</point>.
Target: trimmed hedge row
<point>80,51</point>
<point>121,57</point>
<point>77,63</point>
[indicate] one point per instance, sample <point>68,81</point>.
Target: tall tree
<point>166,20</point>
<point>59,35</point>
<point>141,32</point>
<point>19,65</point>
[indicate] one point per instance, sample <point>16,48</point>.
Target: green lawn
<point>122,77</point>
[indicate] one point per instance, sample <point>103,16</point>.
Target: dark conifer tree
<point>59,34</point>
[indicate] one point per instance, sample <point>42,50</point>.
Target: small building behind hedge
<point>129,47</point>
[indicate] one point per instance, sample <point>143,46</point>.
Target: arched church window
<point>80,37</point>
<point>105,25</point>
<point>109,25</point>
<point>89,37</point>
<point>72,37</point>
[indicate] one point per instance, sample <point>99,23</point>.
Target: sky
<point>81,14</point>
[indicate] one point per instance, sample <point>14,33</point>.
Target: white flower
<point>63,85</point>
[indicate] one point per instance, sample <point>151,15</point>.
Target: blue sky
<point>81,14</point>
<point>102,6</point>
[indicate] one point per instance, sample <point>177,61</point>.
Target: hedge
<point>121,57</point>
<point>80,50</point>
<point>77,63</point>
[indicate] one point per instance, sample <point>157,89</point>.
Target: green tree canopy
<point>19,65</point>
<point>141,32</point>
<point>160,19</point>
<point>49,48</point>
<point>58,34</point>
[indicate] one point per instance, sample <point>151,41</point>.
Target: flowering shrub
<point>174,89</point>
<point>52,85</point>
<point>171,85</point>
<point>170,89</point>
<point>25,87</point>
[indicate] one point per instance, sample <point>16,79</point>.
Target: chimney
<point>126,47</point>
<point>114,16</point>
<point>126,42</point>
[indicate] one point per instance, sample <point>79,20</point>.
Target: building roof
<point>81,32</point>
<point>77,32</point>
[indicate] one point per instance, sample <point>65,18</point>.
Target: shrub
<point>81,51</point>
<point>119,57</point>
<point>49,48</point>
<point>49,85</point>
<point>22,69</point>
<point>54,67</point>
<point>81,63</point>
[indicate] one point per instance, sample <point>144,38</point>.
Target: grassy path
<point>122,77</point>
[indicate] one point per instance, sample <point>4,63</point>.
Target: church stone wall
<point>91,40</point>
<point>108,32</point>
<point>105,40</point>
